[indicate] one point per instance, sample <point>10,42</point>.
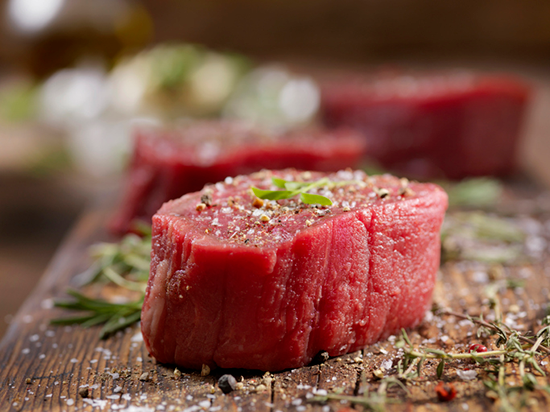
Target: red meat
<point>166,164</point>
<point>452,125</point>
<point>236,285</point>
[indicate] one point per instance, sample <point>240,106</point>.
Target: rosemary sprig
<point>480,237</point>
<point>125,264</point>
<point>114,316</point>
<point>291,189</point>
<point>474,193</point>
<point>129,259</point>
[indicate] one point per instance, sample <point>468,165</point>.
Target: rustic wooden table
<point>43,367</point>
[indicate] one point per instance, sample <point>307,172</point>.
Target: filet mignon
<point>235,283</point>
<point>450,125</point>
<point>168,163</point>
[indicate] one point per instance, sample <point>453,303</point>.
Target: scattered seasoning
<point>309,222</point>
<point>379,373</point>
<point>258,203</point>
<point>382,193</point>
<point>206,198</point>
<point>200,207</point>
<point>177,373</point>
<point>445,391</point>
<point>346,209</point>
<point>227,383</point>
<point>144,376</point>
<point>205,370</point>
<point>405,192</point>
<point>261,387</point>
<point>28,381</point>
<point>83,392</point>
<point>264,218</point>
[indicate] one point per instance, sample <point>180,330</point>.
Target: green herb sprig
<point>114,316</point>
<point>125,264</point>
<point>292,188</point>
<point>481,192</point>
<point>372,401</point>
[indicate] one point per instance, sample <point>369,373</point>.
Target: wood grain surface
<point>43,368</point>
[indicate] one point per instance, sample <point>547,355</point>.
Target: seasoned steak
<point>441,125</point>
<point>237,282</point>
<point>168,163</point>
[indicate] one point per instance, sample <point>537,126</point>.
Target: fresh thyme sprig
<point>291,189</point>
<point>371,401</point>
<point>114,316</point>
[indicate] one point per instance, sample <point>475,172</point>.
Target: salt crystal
<point>138,337</point>
<point>386,365</point>
<point>74,360</point>
<point>466,375</point>
<point>34,338</point>
<point>204,404</point>
<point>480,277</point>
<point>25,351</point>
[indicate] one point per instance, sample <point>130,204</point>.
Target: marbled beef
<point>236,282</point>
<point>168,163</point>
<point>433,125</point>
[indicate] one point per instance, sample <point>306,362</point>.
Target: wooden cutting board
<point>43,367</point>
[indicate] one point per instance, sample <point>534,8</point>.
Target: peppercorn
<point>227,383</point>
<point>445,391</point>
<point>477,347</point>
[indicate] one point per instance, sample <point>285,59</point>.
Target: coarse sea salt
<point>466,375</point>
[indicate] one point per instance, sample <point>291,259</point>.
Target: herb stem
<point>114,277</point>
<point>457,355</point>
<point>537,343</point>
<point>490,326</point>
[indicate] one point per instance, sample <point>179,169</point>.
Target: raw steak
<point>447,125</point>
<point>166,164</point>
<point>238,284</point>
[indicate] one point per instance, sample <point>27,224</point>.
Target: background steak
<point>440,125</point>
<point>236,286</point>
<point>168,163</point>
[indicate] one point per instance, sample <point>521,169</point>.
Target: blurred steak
<point>442,125</point>
<point>168,163</point>
<point>241,284</point>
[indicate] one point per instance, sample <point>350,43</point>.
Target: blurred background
<point>76,76</point>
